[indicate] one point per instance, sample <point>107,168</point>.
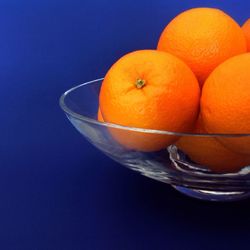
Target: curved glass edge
<point>68,111</point>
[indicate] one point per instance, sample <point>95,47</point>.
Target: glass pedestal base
<point>213,195</point>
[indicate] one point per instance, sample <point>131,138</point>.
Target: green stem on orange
<point>140,83</point>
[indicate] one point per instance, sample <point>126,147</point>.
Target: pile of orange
<point>197,80</point>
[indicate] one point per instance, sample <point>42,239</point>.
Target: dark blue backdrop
<point>56,190</point>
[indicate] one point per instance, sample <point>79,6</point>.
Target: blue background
<point>56,190</point>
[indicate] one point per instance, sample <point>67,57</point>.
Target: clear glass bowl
<point>169,165</point>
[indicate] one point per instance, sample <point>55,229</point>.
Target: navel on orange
<point>149,89</point>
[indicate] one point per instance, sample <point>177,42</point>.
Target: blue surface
<point>56,190</point>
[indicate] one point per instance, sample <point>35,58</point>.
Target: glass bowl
<point>169,165</point>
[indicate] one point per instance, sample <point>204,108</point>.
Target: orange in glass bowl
<point>169,165</point>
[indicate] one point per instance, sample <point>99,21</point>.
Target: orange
<point>210,153</point>
<point>149,89</point>
<point>246,30</point>
<point>203,38</point>
<point>99,116</point>
<point>225,102</point>
<point>132,139</point>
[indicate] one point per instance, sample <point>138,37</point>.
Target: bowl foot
<point>213,195</point>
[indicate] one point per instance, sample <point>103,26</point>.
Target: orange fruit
<point>134,139</point>
<point>149,89</point>
<point>210,153</point>
<point>225,102</point>
<point>246,30</point>
<point>203,38</point>
<point>99,116</point>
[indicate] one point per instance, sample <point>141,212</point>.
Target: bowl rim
<point>70,112</point>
